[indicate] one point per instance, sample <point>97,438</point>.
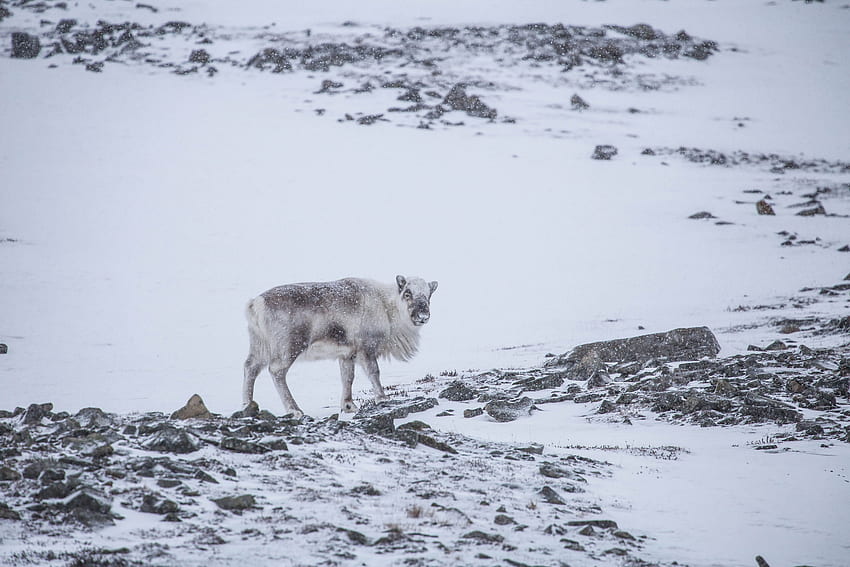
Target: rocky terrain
<point>367,488</point>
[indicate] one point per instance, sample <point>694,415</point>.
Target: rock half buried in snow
<point>194,408</point>
<point>236,503</point>
<point>172,440</point>
<point>604,152</point>
<point>690,343</point>
<point>504,410</point>
<point>457,391</point>
<point>25,46</point>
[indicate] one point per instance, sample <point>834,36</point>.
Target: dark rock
<point>370,119</point>
<point>36,413</point>
<point>200,56</point>
<point>818,210</point>
<point>355,536</point>
<point>504,410</point>
<point>457,391</point>
<point>483,537</point>
<point>550,496</point>
<point>238,445</point>
<point>88,499</point>
<point>554,471</point>
<point>4,348</point>
<point>457,99</point>
<point>25,46</point>
<point>48,476</point>
<point>194,408</point>
<point>64,26</point>
<point>155,504</point>
<point>429,441</point>
<point>599,379</point>
<point>252,410</point>
<point>761,408</point>
<point>329,86</point>
<point>9,475</point>
<point>607,406</point>
<point>761,562</point>
<point>92,418</point>
<point>776,345</point>
<point>810,428</point>
<point>474,412</point>
<point>172,440</point>
<point>7,513</point>
<point>54,491</point>
<point>236,503</point>
<point>541,383</point>
<point>601,524</point>
<point>677,345</point>
<point>702,215</point>
<point>396,408</point>
<point>270,58</point>
<point>503,520</point>
<point>604,152</point>
<point>764,208</point>
<point>578,103</point>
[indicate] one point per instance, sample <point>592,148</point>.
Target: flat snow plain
<point>141,209</point>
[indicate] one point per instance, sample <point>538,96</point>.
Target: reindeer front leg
<point>369,362</point>
<point>346,371</point>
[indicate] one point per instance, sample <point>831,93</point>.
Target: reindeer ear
<point>401,281</point>
<point>433,286</point>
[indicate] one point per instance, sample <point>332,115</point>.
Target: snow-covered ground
<point>142,209</point>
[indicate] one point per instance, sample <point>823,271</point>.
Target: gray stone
<point>252,410</point>
<point>505,410</point>
<point>238,445</point>
<point>236,503</point>
<point>37,412</point>
<point>9,475</point>
<point>683,344</point>
<point>90,418</point>
<point>483,537</point>
<point>474,412</point>
<point>457,99</point>
<point>604,152</point>
<point>578,103</point>
<point>7,513</point>
<point>457,391</point>
<point>172,440</point>
<point>550,496</point>
<point>194,408</point>
<point>25,46</point>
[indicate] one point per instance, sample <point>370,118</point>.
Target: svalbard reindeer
<point>352,320</point>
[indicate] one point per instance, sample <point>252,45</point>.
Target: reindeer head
<point>415,295</point>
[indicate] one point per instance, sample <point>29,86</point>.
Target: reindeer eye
<point>407,294</point>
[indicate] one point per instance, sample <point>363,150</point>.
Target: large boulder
<point>194,408</point>
<point>690,343</point>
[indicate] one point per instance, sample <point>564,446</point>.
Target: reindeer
<point>352,320</point>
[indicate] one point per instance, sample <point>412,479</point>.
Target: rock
<point>36,413</point>
<point>604,152</point>
<point>457,99</point>
<point>6,513</point>
<point>541,383</point>
<point>474,412</point>
<point>578,103</point>
<point>236,503</point>
<point>253,410</point>
<point>199,56</point>
<point>607,406</point>
<point>155,504</point>
<point>270,58</point>
<point>64,26</point>
<point>429,441</point>
<point>4,348</point>
<point>9,475</point>
<point>601,524</point>
<point>92,418</point>
<point>764,208</point>
<point>329,86</point>
<point>702,215</point>
<point>483,537</point>
<point>503,410</point>
<point>599,379</point>
<point>25,46</point>
<point>548,494</point>
<point>238,445</point>
<point>194,408</point>
<point>554,471</point>
<point>396,408</point>
<point>762,408</point>
<point>683,344</point>
<point>457,391</point>
<point>818,210</point>
<point>172,440</point>
<point>776,345</point>
<point>89,507</point>
<point>503,520</point>
<point>761,562</point>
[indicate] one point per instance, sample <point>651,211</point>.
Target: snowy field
<point>145,199</point>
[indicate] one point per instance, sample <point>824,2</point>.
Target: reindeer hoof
<point>297,414</point>
<point>349,407</point>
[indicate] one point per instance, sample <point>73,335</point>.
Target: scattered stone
<point>172,440</point>
<point>236,503</point>
<point>457,391</point>
<point>550,496</point>
<point>238,445</point>
<point>761,562</point>
<point>818,210</point>
<point>483,537</point>
<point>548,382</point>
<point>4,349</point>
<point>7,513</point>
<point>457,99</point>
<point>702,215</point>
<point>200,56</point>
<point>9,475</point>
<point>503,520</point>
<point>601,524</point>
<point>503,410</point>
<point>25,46</point>
<point>35,413</point>
<point>252,410</point>
<point>194,408</point>
<point>578,103</point>
<point>474,412</point>
<point>604,152</point>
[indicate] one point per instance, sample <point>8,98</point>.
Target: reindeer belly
<point>324,349</point>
